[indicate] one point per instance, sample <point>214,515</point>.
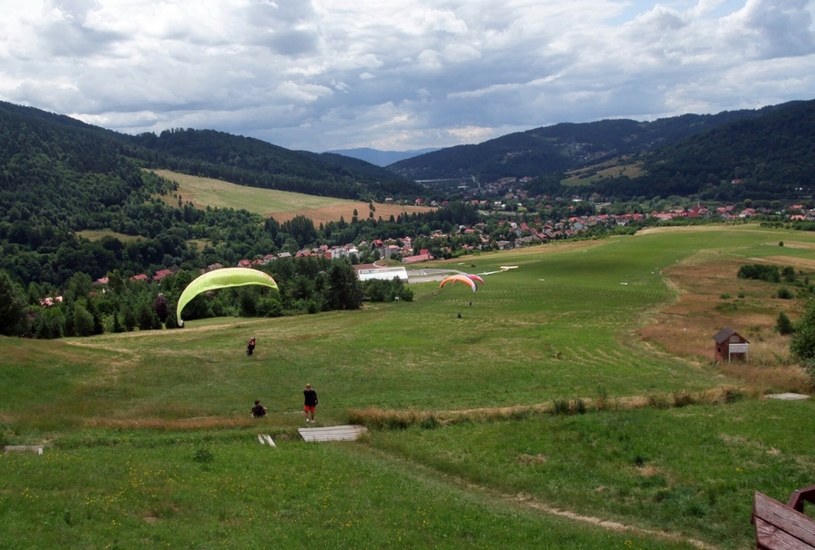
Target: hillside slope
<point>561,147</point>
<point>253,162</point>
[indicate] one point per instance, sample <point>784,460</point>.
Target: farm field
<point>574,404</point>
<point>281,205</point>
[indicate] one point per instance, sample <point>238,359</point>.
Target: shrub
<point>783,325</point>
<point>784,293</point>
<point>683,398</point>
<point>761,272</point>
<point>803,340</point>
<point>560,406</point>
<point>731,395</point>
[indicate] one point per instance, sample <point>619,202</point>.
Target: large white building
<point>383,274</point>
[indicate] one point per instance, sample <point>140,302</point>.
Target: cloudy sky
<point>399,74</point>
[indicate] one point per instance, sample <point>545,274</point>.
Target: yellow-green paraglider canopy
<point>222,278</point>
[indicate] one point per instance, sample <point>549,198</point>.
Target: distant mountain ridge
<point>767,151</point>
<point>382,158</point>
<point>562,147</point>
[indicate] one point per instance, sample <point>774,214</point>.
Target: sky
<point>399,75</point>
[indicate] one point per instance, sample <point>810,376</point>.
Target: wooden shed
<point>730,345</point>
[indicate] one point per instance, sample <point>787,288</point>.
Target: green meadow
<point>509,426</point>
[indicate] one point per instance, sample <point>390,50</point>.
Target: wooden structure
<point>332,433</point>
<point>729,345</point>
<point>784,526</point>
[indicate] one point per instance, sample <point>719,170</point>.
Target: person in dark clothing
<point>309,403</point>
<point>250,346</point>
<point>258,410</point>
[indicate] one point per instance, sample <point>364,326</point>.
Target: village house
<point>161,274</point>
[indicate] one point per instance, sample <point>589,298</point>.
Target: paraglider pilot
<point>250,346</point>
<point>309,403</point>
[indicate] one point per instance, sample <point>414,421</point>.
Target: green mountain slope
<point>766,157</point>
<point>758,154</point>
<point>560,147</point>
<point>250,161</point>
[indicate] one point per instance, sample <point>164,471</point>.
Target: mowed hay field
<point>574,404</point>
<point>270,203</point>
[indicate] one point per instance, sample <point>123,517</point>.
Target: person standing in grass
<point>250,346</point>
<point>309,403</point>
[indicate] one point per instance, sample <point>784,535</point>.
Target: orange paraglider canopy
<point>463,279</point>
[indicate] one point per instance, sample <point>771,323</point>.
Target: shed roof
<point>725,334</point>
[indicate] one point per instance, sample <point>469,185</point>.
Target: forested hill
<point>208,153</point>
<point>562,147</point>
<point>253,162</point>
<point>768,157</point>
<point>60,177</point>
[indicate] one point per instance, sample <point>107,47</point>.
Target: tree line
<point>85,307</point>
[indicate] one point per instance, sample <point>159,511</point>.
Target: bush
<point>269,306</point>
<point>683,399</point>
<point>761,272</point>
<point>561,406</point>
<point>784,293</point>
<point>803,340</point>
<point>783,325</point>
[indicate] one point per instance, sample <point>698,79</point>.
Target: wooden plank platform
<point>781,527</point>
<point>332,433</point>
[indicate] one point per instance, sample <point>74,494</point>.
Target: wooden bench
<point>784,526</point>
<point>332,433</point>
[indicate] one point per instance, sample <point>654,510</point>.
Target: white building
<point>383,274</point>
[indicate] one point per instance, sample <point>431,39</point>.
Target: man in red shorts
<point>309,403</point>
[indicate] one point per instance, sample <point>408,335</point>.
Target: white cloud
<point>326,74</point>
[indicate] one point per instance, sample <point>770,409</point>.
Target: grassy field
<point>98,234</point>
<point>574,404</point>
<point>281,205</point>
<point>609,169</point>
